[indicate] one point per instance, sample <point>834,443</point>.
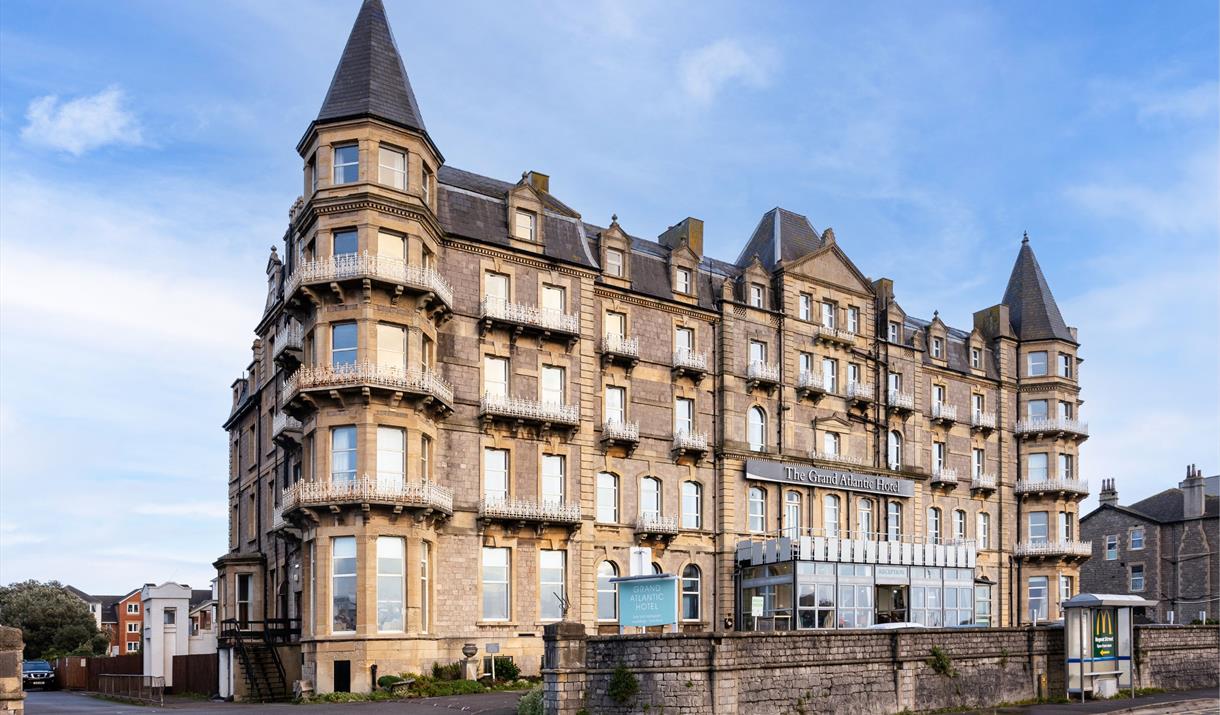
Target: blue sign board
<point>648,600</point>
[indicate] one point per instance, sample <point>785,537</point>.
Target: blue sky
<point>147,165</point>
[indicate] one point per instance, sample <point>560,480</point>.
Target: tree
<point>53,622</point>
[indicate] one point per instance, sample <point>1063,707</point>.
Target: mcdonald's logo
<point>1104,631</point>
<point>1103,623</point>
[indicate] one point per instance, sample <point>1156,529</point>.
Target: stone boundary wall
<point>857,673</point>
<point>12,695</point>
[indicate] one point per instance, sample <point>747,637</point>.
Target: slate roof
<point>1163,508</point>
<point>1031,307</point>
<point>109,603</point>
<point>371,79</point>
<point>780,235</point>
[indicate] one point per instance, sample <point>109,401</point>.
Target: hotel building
<point>466,404</point>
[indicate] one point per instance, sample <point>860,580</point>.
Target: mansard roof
<point>781,235</point>
<point>1031,307</point>
<point>371,80</point>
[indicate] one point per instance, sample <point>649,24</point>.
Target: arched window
<point>959,525</point>
<point>650,498</point>
<point>864,518</point>
<point>757,509</point>
<point>656,569</point>
<point>758,429</point>
<point>934,525</point>
<point>895,451</point>
<point>691,586</point>
<point>692,505</point>
<point>893,521</point>
<point>830,515</point>
<point>607,498</point>
<point>607,592</point>
<point>792,514</point>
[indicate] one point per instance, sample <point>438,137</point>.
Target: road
<point>59,702</point>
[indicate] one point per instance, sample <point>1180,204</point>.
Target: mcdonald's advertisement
<point>1105,633</point>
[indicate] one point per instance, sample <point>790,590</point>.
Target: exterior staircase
<point>258,660</point>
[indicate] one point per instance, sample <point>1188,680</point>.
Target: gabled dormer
<point>685,243</point>
<point>525,204</point>
<point>754,285</point>
<point>976,352</point>
<point>615,258</point>
<point>891,318</point>
<point>936,338</point>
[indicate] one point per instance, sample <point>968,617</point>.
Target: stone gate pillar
<point>12,696</point>
<point>563,673</point>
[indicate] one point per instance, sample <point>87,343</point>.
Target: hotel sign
<point>811,476</point>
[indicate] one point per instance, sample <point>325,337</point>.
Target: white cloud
<point>214,509</point>
<point>80,125</point>
<point>1196,102</point>
<point>707,70</point>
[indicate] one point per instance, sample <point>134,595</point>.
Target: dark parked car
<point>37,673</point>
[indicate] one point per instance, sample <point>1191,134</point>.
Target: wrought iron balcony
<point>656,526</point>
<point>523,511</point>
<point>1051,486</point>
<point>983,421</point>
<point>837,458</point>
<point>901,401</point>
<point>527,318</point>
<point>1054,427</point>
<point>428,496</point>
<point>809,383</point>
<point>983,482</point>
<point>385,269</point>
<point>285,427</point>
<point>834,335</point>
<point>617,348</point>
<point>944,476</point>
<point>860,392</point>
<point>288,342</point>
<point>944,414</point>
<point>1053,549</point>
<point>690,363</point>
<point>523,411</point>
<point>616,433</point>
<point>762,374</point>
<point>690,444</point>
<point>420,382</point>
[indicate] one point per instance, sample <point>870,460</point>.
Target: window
<point>343,584</point>
<point>133,627</point>
<point>607,498</point>
<point>425,457</point>
<point>1065,588</point>
<point>853,319</point>
<point>1065,365</point>
<point>1037,409</point>
<point>982,605</point>
<point>938,348</point>
<point>391,245</point>
<point>1136,539</point>
<point>427,352</point>
<point>1066,410</point>
<point>134,607</point>
<point>551,584</point>
<point>684,340</point>
<point>1037,598</point>
<point>830,374</point>
<point>392,167</point>
<point>170,616</point>
<point>938,395</point>
<point>806,306</point>
<point>758,353</point>
<point>343,345</point>
<point>244,594</point>
<point>426,186</point>
<point>391,457</point>
<point>425,595</point>
<point>815,605</point>
<point>855,606</point>
<point>496,569</point>
<point>523,226</point>
<point>895,332</point>
<point>829,314</point>
<point>1111,547</point>
<point>691,584</point>
<point>938,457</point>
<point>978,405</point>
<point>757,510</point>
<point>133,646</point>
<point>552,478</point>
<point>894,453</point>
<point>830,515</point>
<point>615,325</point>
<point>1137,577</point>
<point>1066,524</point>
<point>853,373</point>
<point>684,416</point>
<point>978,461</point>
<point>934,525</point>
<point>831,442</point>
<point>1038,531</point>
<point>976,362</point>
<point>1036,364</point>
<point>495,286</point>
<point>495,474</point>
<point>1065,466</point>
<point>864,518</point>
<point>607,592</point>
<point>391,571</point>
<point>495,376</point>
<point>792,514</point>
<point>614,262</point>
<point>616,398</point>
<point>343,455</point>
<point>893,521</point>
<point>392,348</point>
<point>692,505</point>
<point>984,530</point>
<point>650,498</point>
<point>757,429</point>
<point>311,171</point>
<point>895,382</point>
<point>1035,467</point>
<point>554,298</point>
<point>682,282</point>
<point>756,295</point>
<point>347,164</point>
<point>959,525</point>
<point>551,387</point>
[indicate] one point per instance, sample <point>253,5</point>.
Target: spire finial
<point>1025,238</point>
<point>935,314</point>
<point>614,218</point>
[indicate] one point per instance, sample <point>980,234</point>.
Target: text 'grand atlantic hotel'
<point>466,404</point>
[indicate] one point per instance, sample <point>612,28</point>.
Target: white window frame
<point>1038,527</point>
<point>692,505</point>
<point>983,534</point>
<point>757,295</point>
<point>1135,540</point>
<point>550,605</point>
<point>397,176</point>
<point>853,319</point>
<point>682,281</point>
<point>492,558</point>
<point>341,167</point>
<point>692,594</point>
<point>938,348</point>
<point>1036,363</point>
<point>832,526</point>
<point>1111,552</point>
<point>607,488</point>
<point>607,589</point>
<point>756,510</point>
<point>495,376</point>
<point>391,549</point>
<point>551,388</point>
<point>894,332</point>
<point>525,225</point>
<point>339,473</point>
<point>614,262</point>
<point>391,457</point>
<point>650,498</point>
<point>830,317</point>
<point>806,307</point>
<point>684,415</point>
<point>615,404</point>
<point>554,470</point>
<point>976,358</point>
<point>336,576</point>
<point>756,429</point>
<point>497,471</point>
<point>1143,576</point>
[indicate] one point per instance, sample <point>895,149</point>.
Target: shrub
<point>386,682</point>
<point>506,669</point>
<point>942,663</point>
<point>451,671</point>
<point>435,688</point>
<point>531,702</point>
<point>623,685</point>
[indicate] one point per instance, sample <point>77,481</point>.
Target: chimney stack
<point>689,231</point>
<point>539,181</point>
<point>1192,492</point>
<point>1109,494</point>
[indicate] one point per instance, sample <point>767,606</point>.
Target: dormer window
<point>614,262</point>
<point>347,164</point>
<point>756,295</point>
<point>938,348</point>
<point>682,282</point>
<point>392,167</point>
<point>895,334</point>
<point>976,358</point>
<point>524,227</point>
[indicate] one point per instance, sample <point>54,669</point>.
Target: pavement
<point>1182,702</point>
<point>62,702</point>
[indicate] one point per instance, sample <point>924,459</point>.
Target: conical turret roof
<point>1031,306</point>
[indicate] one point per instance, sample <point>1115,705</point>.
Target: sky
<point>147,165</point>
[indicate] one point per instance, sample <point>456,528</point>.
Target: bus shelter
<point>1099,638</point>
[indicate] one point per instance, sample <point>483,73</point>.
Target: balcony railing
<point>619,431</point>
<point>839,335</point>
<point>983,481</point>
<point>944,475</point>
<point>690,441</point>
<point>531,410</point>
<point>620,345</point>
<point>860,391</point>
<point>982,420</point>
<point>385,268</point>
<point>657,524</point>
<point>838,458</point>
<point>1053,549</point>
<point>901,400</point>
<point>494,308</point>
<point>810,380</point>
<point>760,371</point>
<point>1053,425</point>
<point>688,359</point>
<point>545,511</point>
<point>1039,486</point>
<point>369,490</point>
<point>281,423</point>
<point>289,338</point>
<point>416,380</point>
<point>944,413</point>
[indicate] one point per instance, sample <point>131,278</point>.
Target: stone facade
<point>12,694</point>
<point>460,370</point>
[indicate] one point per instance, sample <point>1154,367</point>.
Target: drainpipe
<point>1016,584</point>
<point>717,464</point>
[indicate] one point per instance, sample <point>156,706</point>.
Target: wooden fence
<point>196,674</point>
<point>77,673</point>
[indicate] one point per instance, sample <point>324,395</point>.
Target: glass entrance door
<point>891,604</point>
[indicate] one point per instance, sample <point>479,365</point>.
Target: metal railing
<point>944,475</point>
<point>292,336</point>
<point>620,345</point>
<point>759,370</point>
<point>983,420</point>
<point>547,510</point>
<point>1054,548</point>
<point>657,524</point>
<point>879,537</point>
<point>625,431</point>
<point>690,360</point>
<point>500,309</point>
<point>810,380</point>
<point>523,409</point>
<point>826,331</point>
<point>363,265</point>
<point>690,440</point>
<point>1034,486</point>
<point>281,423</point>
<point>838,458</point>
<point>983,481</point>
<point>369,490</point>
<point>143,688</point>
<point>418,380</point>
<point>1052,424</point>
<point>901,400</point>
<point>942,411</point>
<point>860,391</point>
